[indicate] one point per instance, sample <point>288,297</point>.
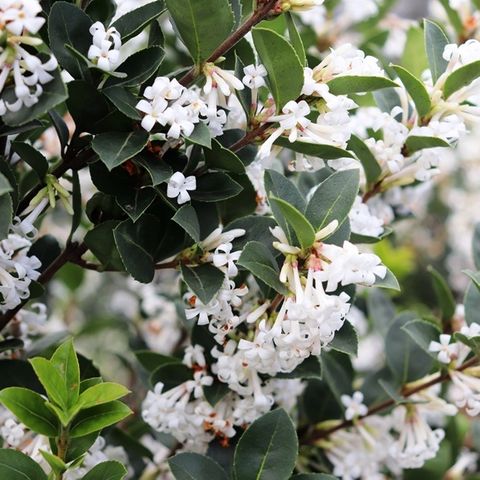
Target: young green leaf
<point>188,466</point>
<point>258,259</point>
<point>102,393</point>
<point>435,43</point>
<point>29,407</point>
<point>416,89</point>
<point>52,380</point>
<point>214,187</point>
<point>66,361</point>
<point>204,280</point>
<point>115,148</point>
<point>56,464</point>
<point>268,448</point>
<point>110,470</point>
<point>201,32</point>
<point>16,465</point>
<point>285,71</point>
<point>302,227</point>
<point>333,199</point>
<point>97,418</point>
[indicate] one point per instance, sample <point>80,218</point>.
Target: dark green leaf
<point>215,392</point>
<point>201,33</point>
<point>110,470</point>
<point>159,171</point>
<point>259,260</point>
<point>187,218</point>
<point>415,143</point>
<point>133,22</point>
<point>6,214</point>
<point>213,187</point>
<point>32,157</point>
<point>333,199</point>
<point>69,25</point>
<point>268,449</point>
<point>220,158</point>
<point>296,39</point>
<point>201,135</point>
<point>171,375</point>
<point>346,339</point>
<point>366,157</point>
<point>204,280</point>
<point>135,202</point>
<point>193,466</point>
<point>326,152</point>
<point>285,71</point>
<point>124,100</point>
<point>115,148</point>
<point>422,333</point>
<point>461,77</point>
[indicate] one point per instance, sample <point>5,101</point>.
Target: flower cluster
<point>105,48</point>
<point>28,73</point>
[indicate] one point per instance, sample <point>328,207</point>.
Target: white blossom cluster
<point>20,21</point>
<point>105,48</point>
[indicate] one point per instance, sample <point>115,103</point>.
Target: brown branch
<point>71,252</point>
<point>260,14</point>
<point>407,392</point>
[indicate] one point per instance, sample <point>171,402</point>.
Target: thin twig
<point>257,16</point>
<point>407,392</point>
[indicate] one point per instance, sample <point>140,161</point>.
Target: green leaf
<point>159,171</point>
<point>346,339</point>
<point>201,135</point>
<point>135,21</point>
<point>268,449</point>
<point>101,243</point>
<point>137,261</point>
<point>115,148</point>
<point>213,187</point>
<point>414,57</point>
<point>416,89</point>
<point>461,78</point>
<point>52,381</point>
<point>422,333</point>
<point>435,43</point>
<point>69,25</point>
<point>337,373</point>
<point>97,418</point>
<point>277,185</point>
<point>124,100</point>
<point>204,281</point>
<point>6,214</point>
<point>333,198</point>
<point>285,71</point>
<point>296,39</point>
<point>215,392</point>
<point>5,186</point>
<point>381,310</point>
<point>389,281</point>
<point>259,260</point>
<point>32,157</point>
<point>472,304</point>
<point>29,407</point>
<point>366,157</point>
<point>187,218</point>
<point>454,17</point>
<point>135,202</point>
<point>405,358</point>
<point>476,246</point>
<point>138,68</point>
<point>101,10</point>
<point>302,227</point>
<point>313,476</point>
<point>193,466</point>
<point>66,362</point>
<point>16,465</point>
<point>444,295</point>
<point>203,24</point>
<point>110,470</point>
<point>309,368</point>
<point>102,393</point>
<point>56,463</point>
<point>326,152</point>
<point>76,204</point>
<point>472,342</point>
<point>54,93</point>
<point>348,84</point>
<point>414,143</point>
<point>220,158</point>
<point>150,361</point>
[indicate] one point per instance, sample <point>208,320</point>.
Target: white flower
<point>12,432</point>
<point>354,405</point>
<point>224,258</point>
<point>254,76</point>
<point>363,222</point>
<point>105,48</point>
<point>179,186</point>
<point>446,351</point>
<point>21,16</point>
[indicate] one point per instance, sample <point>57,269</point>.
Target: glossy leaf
<point>110,470</point>
<point>193,466</point>
<point>16,465</point>
<point>204,280</point>
<point>416,89</point>
<point>435,43</point>
<point>348,84</point>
